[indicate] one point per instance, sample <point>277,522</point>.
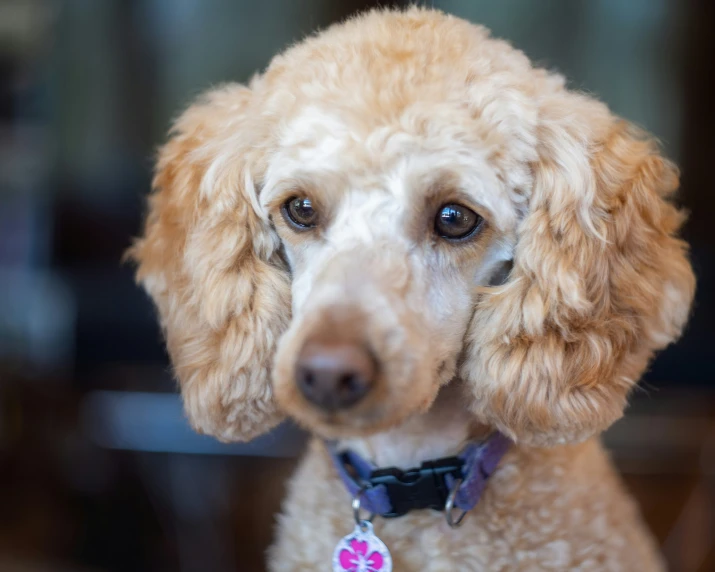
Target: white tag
<point>362,551</point>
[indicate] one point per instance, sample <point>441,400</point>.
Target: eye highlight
<point>455,222</point>
<point>299,212</point>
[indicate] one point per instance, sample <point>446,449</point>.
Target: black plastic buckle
<point>420,488</point>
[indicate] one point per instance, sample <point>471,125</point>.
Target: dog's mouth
<point>352,424</point>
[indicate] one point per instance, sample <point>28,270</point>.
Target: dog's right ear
<point>210,260</point>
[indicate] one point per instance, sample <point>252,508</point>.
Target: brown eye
<point>300,212</point>
<point>455,221</point>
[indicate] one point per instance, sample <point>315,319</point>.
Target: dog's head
<point>399,202</point>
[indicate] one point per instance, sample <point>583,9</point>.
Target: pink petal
<point>375,561</point>
<point>348,560</point>
<point>358,547</point>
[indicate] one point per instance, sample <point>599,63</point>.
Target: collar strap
<point>391,492</point>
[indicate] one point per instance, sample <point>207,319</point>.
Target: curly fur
<point>381,120</point>
<point>211,264</point>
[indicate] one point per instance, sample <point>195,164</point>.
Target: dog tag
<point>362,551</point>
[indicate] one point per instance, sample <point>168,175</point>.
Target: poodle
<point>448,267</point>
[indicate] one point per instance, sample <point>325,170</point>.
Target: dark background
<point>98,470</point>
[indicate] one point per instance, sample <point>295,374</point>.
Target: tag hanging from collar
<point>362,551</point>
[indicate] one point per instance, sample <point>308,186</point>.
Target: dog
<point>448,267</point>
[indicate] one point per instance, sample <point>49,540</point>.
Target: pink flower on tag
<point>355,559</point>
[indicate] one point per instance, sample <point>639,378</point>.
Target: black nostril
<point>351,388</point>
<point>349,382</point>
<point>334,376</point>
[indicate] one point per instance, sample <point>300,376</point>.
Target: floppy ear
<point>599,281</point>
<point>210,261</point>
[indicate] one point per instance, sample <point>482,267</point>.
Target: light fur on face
<point>380,121</point>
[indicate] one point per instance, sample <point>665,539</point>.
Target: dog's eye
<point>299,211</point>
<point>455,221</point>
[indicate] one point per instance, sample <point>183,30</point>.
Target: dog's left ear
<point>599,283</point>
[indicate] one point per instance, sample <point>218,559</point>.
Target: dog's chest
<point>541,511</point>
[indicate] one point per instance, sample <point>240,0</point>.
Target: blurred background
<point>98,469</point>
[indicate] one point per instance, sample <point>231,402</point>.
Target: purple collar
<point>391,492</point>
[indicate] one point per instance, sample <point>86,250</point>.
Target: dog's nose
<point>334,375</point>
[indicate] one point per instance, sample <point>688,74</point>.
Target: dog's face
<point>388,232</point>
<point>399,202</point>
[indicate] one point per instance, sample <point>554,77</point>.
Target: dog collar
<point>440,484</point>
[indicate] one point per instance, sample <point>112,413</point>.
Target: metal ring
<point>356,508</point>
<point>449,506</point>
